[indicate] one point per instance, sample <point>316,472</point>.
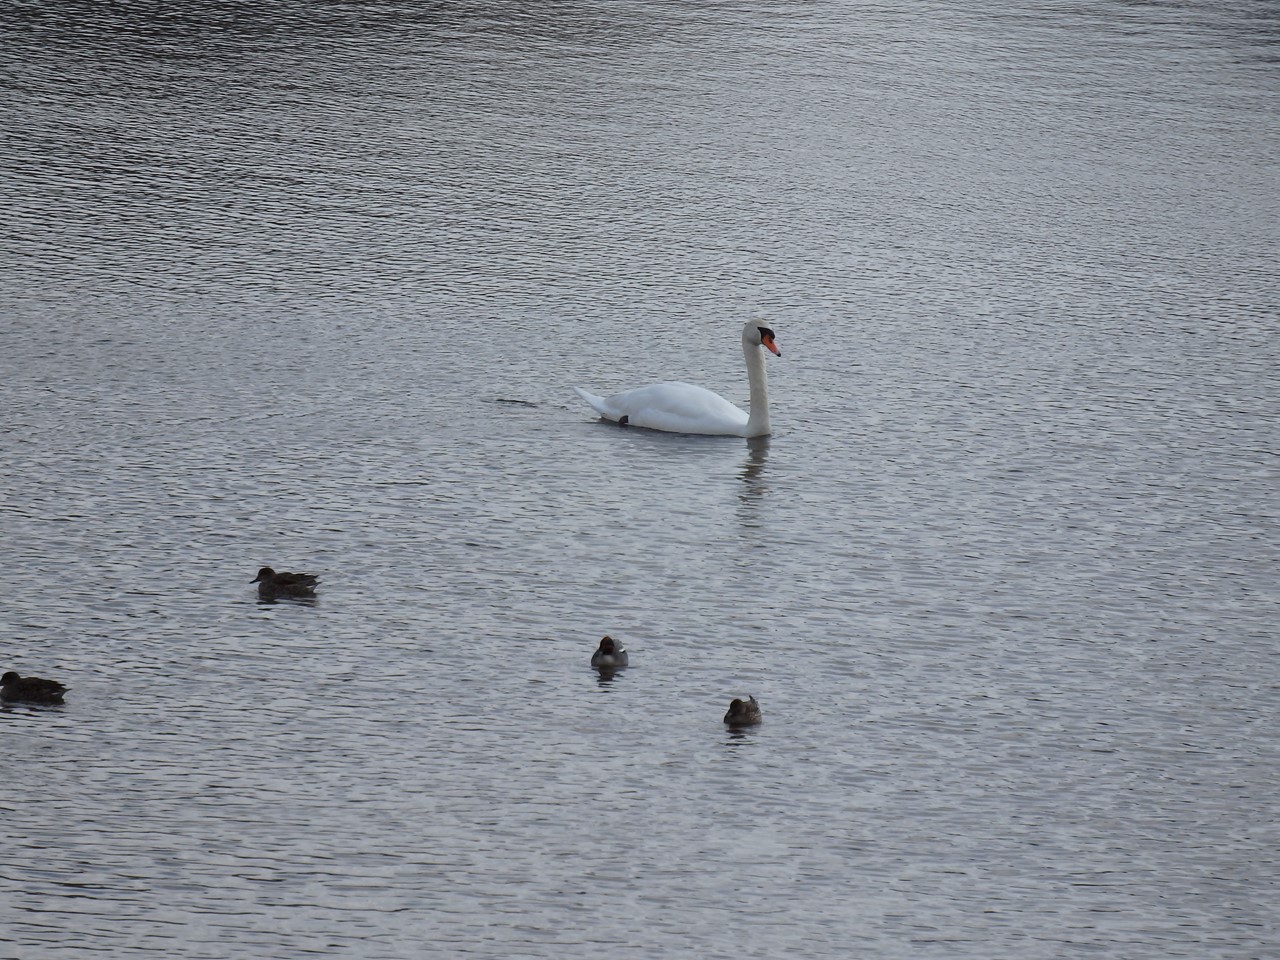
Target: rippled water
<point>309,285</point>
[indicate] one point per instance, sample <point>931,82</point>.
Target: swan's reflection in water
<point>752,474</point>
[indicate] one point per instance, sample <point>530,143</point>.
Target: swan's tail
<point>596,403</point>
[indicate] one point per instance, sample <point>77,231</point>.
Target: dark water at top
<point>309,285</point>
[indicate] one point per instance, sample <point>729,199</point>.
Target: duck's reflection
<point>270,600</point>
<point>606,677</point>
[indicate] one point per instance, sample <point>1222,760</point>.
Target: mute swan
<point>743,713</point>
<point>610,655</point>
<point>684,408</point>
<point>284,584</point>
<point>30,689</point>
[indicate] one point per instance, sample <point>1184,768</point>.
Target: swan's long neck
<point>758,420</point>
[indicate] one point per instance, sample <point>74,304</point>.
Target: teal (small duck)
<point>30,689</point>
<point>743,713</point>
<point>610,655</point>
<point>285,584</point>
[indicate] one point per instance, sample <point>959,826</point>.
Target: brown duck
<point>609,656</point>
<point>743,713</point>
<point>285,584</point>
<point>30,689</point>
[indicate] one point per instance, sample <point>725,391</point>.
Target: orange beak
<point>767,342</point>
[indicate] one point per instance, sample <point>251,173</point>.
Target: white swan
<point>684,408</point>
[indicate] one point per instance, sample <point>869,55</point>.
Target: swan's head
<point>756,334</point>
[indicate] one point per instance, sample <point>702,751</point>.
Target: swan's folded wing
<point>674,407</point>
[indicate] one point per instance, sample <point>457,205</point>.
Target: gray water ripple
<point>1002,579</point>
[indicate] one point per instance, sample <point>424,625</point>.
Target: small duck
<point>743,713</point>
<point>609,655</point>
<point>30,689</point>
<point>272,584</point>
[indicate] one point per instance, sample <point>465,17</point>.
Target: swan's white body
<point>677,407</point>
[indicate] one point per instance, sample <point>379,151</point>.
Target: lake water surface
<point>309,285</point>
